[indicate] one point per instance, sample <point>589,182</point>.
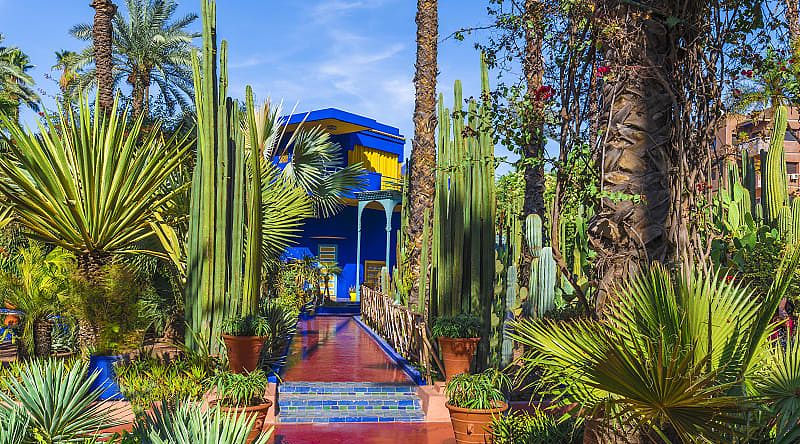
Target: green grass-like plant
<point>241,389</point>
<point>250,325</point>
<point>149,381</point>
<point>282,323</point>
<point>459,326</point>
<point>536,427</point>
<point>480,391</point>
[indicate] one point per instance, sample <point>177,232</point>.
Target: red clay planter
<point>457,354</point>
<point>260,413</point>
<point>472,426</point>
<point>244,352</point>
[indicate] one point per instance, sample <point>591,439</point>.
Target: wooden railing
<point>405,330</point>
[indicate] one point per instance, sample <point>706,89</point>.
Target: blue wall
<point>344,226</point>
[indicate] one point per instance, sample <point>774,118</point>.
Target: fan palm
<point>150,46</point>
<point>15,82</point>
<point>34,288</point>
<point>779,387</point>
<point>674,358</point>
<point>88,183</point>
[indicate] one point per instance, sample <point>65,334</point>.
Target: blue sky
<point>357,55</point>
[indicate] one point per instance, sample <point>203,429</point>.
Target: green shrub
<point>281,325</point>
<point>149,381</point>
<point>479,391</point>
<point>535,428</point>
<point>460,326</point>
<point>240,389</point>
<point>249,325</point>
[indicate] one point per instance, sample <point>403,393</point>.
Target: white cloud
<point>249,62</point>
<point>329,9</point>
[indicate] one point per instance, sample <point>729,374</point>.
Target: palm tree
<point>630,226</point>
<point>675,358</point>
<point>15,82</point>
<point>90,183</point>
<point>35,287</point>
<point>65,62</point>
<point>101,51</point>
<point>150,46</point>
<point>423,152</point>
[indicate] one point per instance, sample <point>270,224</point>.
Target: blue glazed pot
<point>106,378</point>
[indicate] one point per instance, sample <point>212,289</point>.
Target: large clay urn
<point>473,426</point>
<point>457,354</point>
<point>244,352</point>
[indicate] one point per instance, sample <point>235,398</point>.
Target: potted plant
<point>244,338</point>
<point>458,338</point>
<point>474,401</point>
<point>244,394</point>
<point>353,294</point>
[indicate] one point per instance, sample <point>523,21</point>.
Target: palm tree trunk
<point>793,20</point>
<point>423,152</point>
<point>42,337</point>
<point>90,269</point>
<point>533,152</point>
<point>140,93</point>
<point>102,35</point>
<point>630,227</point>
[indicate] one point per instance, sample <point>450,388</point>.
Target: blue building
<point>373,213</point>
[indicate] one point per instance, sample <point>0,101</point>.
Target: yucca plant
<point>57,401</point>
<point>13,426</point>
<point>674,357</point>
<point>187,424</point>
<point>89,183</point>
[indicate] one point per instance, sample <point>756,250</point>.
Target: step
<point>333,401</point>
<point>345,388</point>
<point>353,416</point>
<point>327,402</point>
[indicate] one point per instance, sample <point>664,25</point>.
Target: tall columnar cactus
<point>774,178</point>
<point>785,226</point>
<point>423,263</point>
<point>546,290</point>
<point>464,209</point>
<point>749,178</point>
<point>217,193</point>
<point>795,220</point>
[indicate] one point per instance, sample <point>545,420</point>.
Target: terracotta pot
<point>260,413</point>
<point>457,354</point>
<point>474,426</point>
<point>244,352</point>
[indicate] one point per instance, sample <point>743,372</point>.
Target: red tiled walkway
<point>336,349</point>
<point>420,433</point>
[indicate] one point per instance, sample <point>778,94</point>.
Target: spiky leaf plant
<point>57,401</point>
<point>187,424</point>
<point>673,358</point>
<point>13,426</point>
<point>89,183</point>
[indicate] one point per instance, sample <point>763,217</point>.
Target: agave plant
<point>88,183</point>
<point>187,424</point>
<point>57,402</point>
<point>674,358</point>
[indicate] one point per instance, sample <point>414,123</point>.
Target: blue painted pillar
<point>361,206</point>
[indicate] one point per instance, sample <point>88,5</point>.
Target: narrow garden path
<point>340,387</point>
<point>336,349</point>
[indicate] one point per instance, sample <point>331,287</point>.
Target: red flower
<point>544,93</point>
<point>783,68</point>
<point>737,92</point>
<point>728,278</point>
<point>701,186</point>
<point>602,71</point>
<point>41,114</point>
<point>747,73</point>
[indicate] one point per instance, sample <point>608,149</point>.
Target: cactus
<point>546,291</point>
<point>785,223</point>
<point>774,178</point>
<point>795,221</point>
<point>218,175</point>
